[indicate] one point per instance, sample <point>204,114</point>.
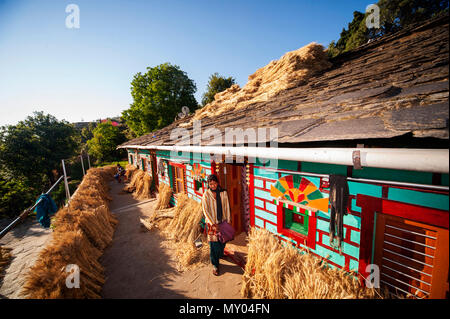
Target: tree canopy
<point>158,96</point>
<point>30,160</point>
<point>33,148</point>
<point>394,16</point>
<point>216,84</point>
<point>105,139</point>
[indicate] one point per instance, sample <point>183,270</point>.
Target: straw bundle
<point>140,183</point>
<point>159,219</point>
<point>93,190</point>
<point>180,226</point>
<point>291,70</point>
<point>131,186</point>
<point>5,258</point>
<point>144,187</point>
<point>184,229</point>
<point>281,271</point>
<point>165,192</point>
<point>185,223</point>
<point>188,256</point>
<point>82,231</point>
<point>96,224</point>
<point>130,170</point>
<point>47,278</point>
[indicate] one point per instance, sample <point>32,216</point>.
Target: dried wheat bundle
<point>143,187</point>
<point>131,186</point>
<point>164,194</point>
<point>96,224</point>
<point>291,70</point>
<point>181,229</point>
<point>279,271</point>
<point>82,231</point>
<point>5,258</point>
<point>130,170</point>
<point>185,224</point>
<point>47,277</point>
<point>188,256</point>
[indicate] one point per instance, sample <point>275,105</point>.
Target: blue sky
<point>85,73</point>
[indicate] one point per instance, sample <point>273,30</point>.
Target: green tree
<point>103,144</point>
<point>87,132</point>
<point>397,14</point>
<point>215,85</point>
<point>33,149</point>
<point>15,196</point>
<point>158,97</point>
<point>354,36</point>
<point>394,15</point>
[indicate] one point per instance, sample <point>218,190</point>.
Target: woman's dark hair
<point>212,177</point>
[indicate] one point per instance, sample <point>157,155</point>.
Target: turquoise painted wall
<point>265,210</point>
<point>352,222</point>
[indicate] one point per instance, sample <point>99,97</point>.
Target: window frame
<point>305,216</point>
<point>308,240</point>
<point>196,191</point>
<point>176,179</point>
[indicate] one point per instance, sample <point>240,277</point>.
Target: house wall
<point>264,210</point>
<point>188,160</point>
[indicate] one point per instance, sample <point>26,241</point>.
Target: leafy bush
<point>15,197</point>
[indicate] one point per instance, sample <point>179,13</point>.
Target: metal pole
<point>26,212</point>
<point>65,181</point>
<point>82,164</point>
<point>89,161</point>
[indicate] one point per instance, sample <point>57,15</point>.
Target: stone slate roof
<point>396,85</point>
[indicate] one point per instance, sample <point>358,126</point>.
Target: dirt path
<point>138,266</point>
<point>26,240</point>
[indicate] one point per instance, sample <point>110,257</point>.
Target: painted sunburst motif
<point>299,190</point>
<point>198,173</point>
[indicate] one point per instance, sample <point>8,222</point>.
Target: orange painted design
<point>198,173</point>
<point>299,191</point>
<point>320,204</point>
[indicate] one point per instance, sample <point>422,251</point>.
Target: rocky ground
<point>26,240</point>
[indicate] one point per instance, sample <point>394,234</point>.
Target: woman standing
<point>216,209</point>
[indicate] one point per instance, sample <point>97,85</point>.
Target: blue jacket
<point>44,209</point>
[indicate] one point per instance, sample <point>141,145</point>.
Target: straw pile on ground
<point>275,271</point>
<point>291,70</point>
<point>140,183</point>
<point>181,227</point>
<point>185,225</point>
<point>164,194</point>
<point>130,170</point>
<point>82,231</point>
<point>5,259</point>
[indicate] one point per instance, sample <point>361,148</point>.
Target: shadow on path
<point>136,266</point>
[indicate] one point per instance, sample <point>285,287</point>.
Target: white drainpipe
<point>423,160</point>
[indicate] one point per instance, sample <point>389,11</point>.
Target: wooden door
<point>412,256</point>
<point>144,164</point>
<point>230,178</point>
<point>154,169</point>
